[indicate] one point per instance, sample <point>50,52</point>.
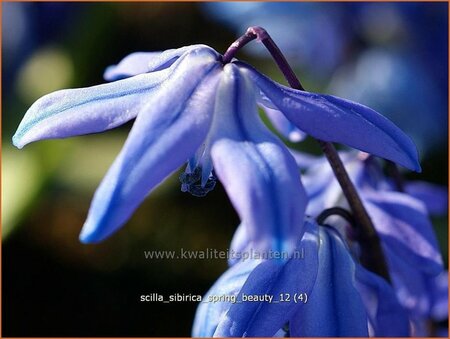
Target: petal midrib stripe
<point>33,122</point>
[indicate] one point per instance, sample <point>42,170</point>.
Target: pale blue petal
<point>263,100</point>
<point>258,173</point>
<point>435,197</point>
<point>335,308</point>
<point>167,57</point>
<point>330,118</point>
<point>322,187</point>
<point>386,316</point>
<point>133,64</point>
<point>72,112</point>
<point>167,132</point>
<point>305,160</point>
<point>210,312</point>
<point>143,62</point>
<point>283,125</point>
<point>420,327</point>
<point>280,122</point>
<point>403,225</point>
<point>409,283</point>
<point>272,278</point>
<point>438,287</point>
<point>239,244</point>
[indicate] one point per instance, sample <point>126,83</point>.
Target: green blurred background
<point>52,284</point>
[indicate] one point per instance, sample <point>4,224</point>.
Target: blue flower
<point>190,107</point>
<point>400,219</point>
<point>343,298</point>
<point>391,46</point>
<point>419,291</point>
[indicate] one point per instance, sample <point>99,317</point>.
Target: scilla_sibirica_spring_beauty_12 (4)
<point>362,236</point>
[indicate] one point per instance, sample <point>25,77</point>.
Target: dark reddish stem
<point>372,255</point>
<point>261,35</point>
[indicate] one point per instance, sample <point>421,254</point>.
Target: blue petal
<point>305,160</point>
<point>330,118</point>
<point>167,132</point>
<point>322,188</point>
<point>79,111</point>
<point>410,284</point>
<point>283,125</point>
<point>168,55</point>
<point>258,173</point>
<point>239,244</point>
<point>335,308</point>
<point>434,197</point>
<point>210,313</point>
<point>133,64</point>
<point>143,62</point>
<point>272,278</point>
<point>403,225</point>
<point>438,287</point>
<point>321,185</point>
<point>386,316</point>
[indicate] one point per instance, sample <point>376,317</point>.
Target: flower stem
<point>261,35</point>
<point>342,212</point>
<point>372,255</point>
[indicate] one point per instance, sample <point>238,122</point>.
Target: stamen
<point>192,182</point>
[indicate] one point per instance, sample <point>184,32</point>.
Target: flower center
<point>192,182</point>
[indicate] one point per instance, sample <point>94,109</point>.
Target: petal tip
<point>17,142</point>
<point>418,168</point>
<point>415,165</point>
<point>110,74</point>
<point>89,235</point>
<point>107,74</point>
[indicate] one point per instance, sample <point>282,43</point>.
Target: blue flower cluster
<point>346,298</point>
<point>191,108</point>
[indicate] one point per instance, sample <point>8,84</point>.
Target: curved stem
<point>372,255</point>
<point>237,45</point>
<point>342,212</point>
<point>261,35</point>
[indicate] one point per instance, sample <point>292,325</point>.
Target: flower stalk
<point>372,255</point>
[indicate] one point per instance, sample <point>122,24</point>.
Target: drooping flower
<point>418,291</point>
<point>379,75</point>
<point>343,298</point>
<point>190,107</point>
<point>401,220</point>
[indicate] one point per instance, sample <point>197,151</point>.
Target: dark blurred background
<point>391,56</point>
